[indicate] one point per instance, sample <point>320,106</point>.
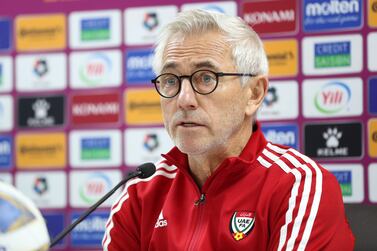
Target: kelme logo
<point>241,224</point>
<point>332,98</point>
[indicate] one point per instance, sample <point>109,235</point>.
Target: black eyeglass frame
<point>189,77</point>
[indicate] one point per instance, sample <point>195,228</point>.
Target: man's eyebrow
<point>199,65</point>
<point>205,64</point>
<point>170,65</point>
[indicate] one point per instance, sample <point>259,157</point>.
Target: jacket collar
<point>249,154</point>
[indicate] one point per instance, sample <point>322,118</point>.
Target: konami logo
<point>271,16</point>
<point>95,108</point>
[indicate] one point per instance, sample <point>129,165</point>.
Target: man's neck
<point>203,166</point>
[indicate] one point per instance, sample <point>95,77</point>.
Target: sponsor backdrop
<point>77,110</point>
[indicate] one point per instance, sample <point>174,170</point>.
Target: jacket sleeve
<point>307,213</point>
<point>122,231</point>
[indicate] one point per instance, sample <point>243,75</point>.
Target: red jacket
<point>268,198</point>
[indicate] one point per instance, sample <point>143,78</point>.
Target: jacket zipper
<point>199,223</point>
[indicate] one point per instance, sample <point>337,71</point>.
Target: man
<point>223,187</point>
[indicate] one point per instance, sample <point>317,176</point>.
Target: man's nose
<point>187,97</point>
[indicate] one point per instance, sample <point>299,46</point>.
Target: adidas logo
<point>161,222</point>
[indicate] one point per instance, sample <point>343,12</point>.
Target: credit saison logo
<point>345,181</point>
<point>278,16</point>
<point>95,148</point>
<point>95,29</point>
<point>332,98</point>
<point>334,54</point>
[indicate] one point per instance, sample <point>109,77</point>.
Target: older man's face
<point>204,124</point>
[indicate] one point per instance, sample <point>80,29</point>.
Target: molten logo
<point>332,98</point>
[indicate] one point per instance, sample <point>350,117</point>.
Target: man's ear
<point>258,90</point>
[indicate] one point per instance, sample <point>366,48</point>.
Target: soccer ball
<point>22,227</point>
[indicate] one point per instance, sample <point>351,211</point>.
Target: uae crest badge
<point>241,224</point>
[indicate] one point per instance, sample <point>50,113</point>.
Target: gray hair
<point>246,46</point>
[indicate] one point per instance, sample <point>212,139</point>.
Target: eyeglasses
<point>204,82</point>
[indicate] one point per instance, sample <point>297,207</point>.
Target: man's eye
<point>207,78</point>
<point>171,81</point>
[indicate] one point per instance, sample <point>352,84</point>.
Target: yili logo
<point>95,29</point>
<point>241,224</point>
<point>95,148</point>
<point>95,69</point>
<point>345,181</point>
<point>96,185</point>
<point>335,54</point>
<point>332,98</point>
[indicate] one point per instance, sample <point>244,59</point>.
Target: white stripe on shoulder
<point>264,162</point>
<point>316,199</point>
<point>270,155</point>
<point>304,200</point>
<point>291,202</point>
<point>165,166</point>
<point>122,198</point>
<point>276,148</point>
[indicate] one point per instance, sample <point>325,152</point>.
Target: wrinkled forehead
<point>209,51</point>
